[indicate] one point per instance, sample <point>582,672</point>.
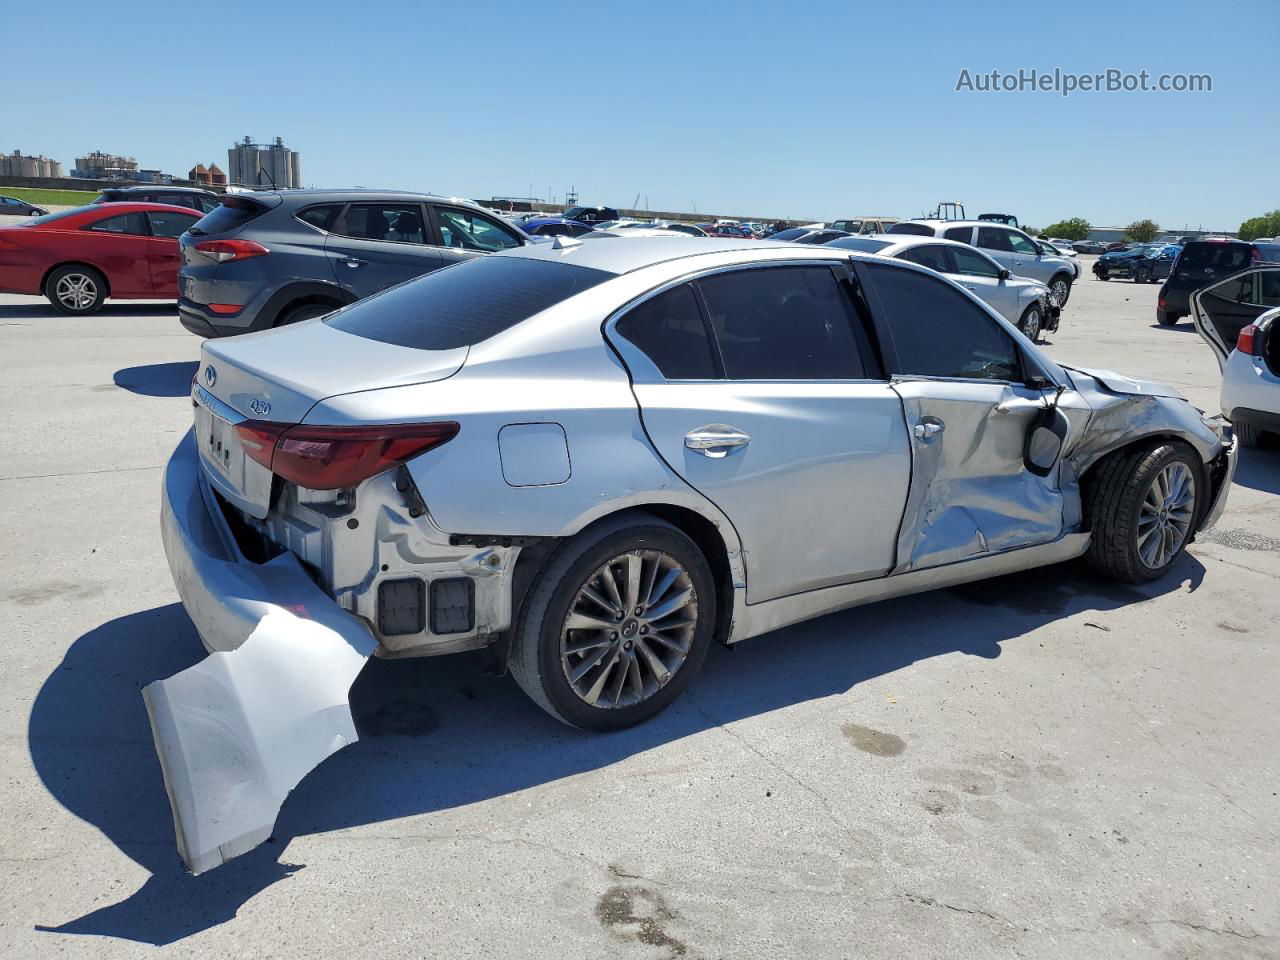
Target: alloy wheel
<point>1031,324</point>
<point>76,291</point>
<point>1164,518</point>
<point>629,629</point>
<point>1059,290</point>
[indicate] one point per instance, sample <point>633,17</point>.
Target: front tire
<point>76,290</point>
<point>616,625</point>
<point>1143,505</point>
<point>1031,323</point>
<point>1247,434</point>
<point>1142,275</point>
<point>1060,289</point>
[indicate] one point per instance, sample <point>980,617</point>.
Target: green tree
<point>1077,228</point>
<point>1142,231</point>
<point>1267,225</point>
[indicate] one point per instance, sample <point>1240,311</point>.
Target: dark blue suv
<point>266,259</point>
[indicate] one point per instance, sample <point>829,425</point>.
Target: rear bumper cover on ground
<point>237,731</point>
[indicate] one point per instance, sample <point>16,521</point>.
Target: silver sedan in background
<point>599,458</point>
<point>1024,302</point>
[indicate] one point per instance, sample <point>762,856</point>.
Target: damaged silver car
<point>600,458</point>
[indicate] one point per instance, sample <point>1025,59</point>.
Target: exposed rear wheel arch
<point>305,308</point>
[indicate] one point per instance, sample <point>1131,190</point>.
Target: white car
<point>1237,317</point>
<point>1024,302</point>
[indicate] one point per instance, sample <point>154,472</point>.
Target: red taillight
<point>226,250</point>
<point>226,308</point>
<point>1247,340</point>
<point>330,458</point>
<point>1162,301</point>
<point>1256,255</point>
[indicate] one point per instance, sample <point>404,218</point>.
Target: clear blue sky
<point>814,109</point>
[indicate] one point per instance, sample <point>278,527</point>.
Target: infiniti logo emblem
<point>260,407</point>
<point>210,375</point>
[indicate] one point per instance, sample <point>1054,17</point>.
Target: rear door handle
<point>715,440</point>
<point>352,261</point>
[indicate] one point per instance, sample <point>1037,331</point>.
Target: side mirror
<point>1005,274</point>
<point>1046,437</point>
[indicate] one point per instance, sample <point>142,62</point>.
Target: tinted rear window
<point>1269,252</point>
<point>229,215</point>
<point>465,304</point>
<point>859,243</point>
<point>790,234</point>
<point>1220,256</point>
<point>912,229</point>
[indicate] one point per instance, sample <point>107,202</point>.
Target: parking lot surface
<point>1043,765</point>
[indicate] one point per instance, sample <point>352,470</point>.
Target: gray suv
<point>267,259</point>
<point>1008,246</point>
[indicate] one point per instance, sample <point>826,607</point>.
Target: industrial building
<point>105,166</point>
<point>258,165</point>
<point>17,164</point>
<point>210,176</point>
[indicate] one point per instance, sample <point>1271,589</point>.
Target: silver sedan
<point>1024,302</point>
<point>601,458</point>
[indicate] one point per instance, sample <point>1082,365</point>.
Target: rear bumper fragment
<point>239,730</point>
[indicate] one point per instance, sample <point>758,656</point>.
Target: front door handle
<point>352,261</point>
<point>927,430</point>
<point>715,440</point>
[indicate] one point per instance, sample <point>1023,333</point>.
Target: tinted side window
<point>167,224</point>
<point>973,264</point>
<point>1268,287</point>
<point>132,223</point>
<point>961,234</point>
<point>939,333</point>
<point>783,323</point>
<point>397,222</point>
<point>670,330</point>
<point>322,216</point>
<point>472,231</point>
<point>207,203</point>
<point>928,255</point>
<point>991,239</point>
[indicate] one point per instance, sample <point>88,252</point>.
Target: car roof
<point>157,188</point>
<point>962,223</point>
<point>131,206</point>
<point>622,254</point>
<point>312,195</point>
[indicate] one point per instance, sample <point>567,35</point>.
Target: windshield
<point>464,304</point>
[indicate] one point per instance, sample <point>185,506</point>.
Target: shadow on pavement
<point>40,308</point>
<point>1259,469</point>
<point>158,379</point>
<point>440,733</point>
<point>1182,326</point>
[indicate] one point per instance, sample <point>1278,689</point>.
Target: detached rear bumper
<point>239,730</point>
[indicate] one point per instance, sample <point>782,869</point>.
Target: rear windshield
<point>914,229</point>
<point>464,304</point>
<point>791,234</point>
<point>231,214</point>
<point>1220,256</point>
<point>50,217</point>
<point>864,244</point>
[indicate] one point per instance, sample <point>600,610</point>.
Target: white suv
<point>1008,246</point>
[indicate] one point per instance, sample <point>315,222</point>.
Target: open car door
<point>1220,311</point>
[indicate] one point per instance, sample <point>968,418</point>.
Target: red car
<point>77,258</point>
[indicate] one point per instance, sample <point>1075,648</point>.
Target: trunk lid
<point>278,376</point>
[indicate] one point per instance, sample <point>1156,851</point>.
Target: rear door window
<point>394,222</point>
<point>938,332</point>
<point>321,217</point>
<point>464,304</point>
<point>989,238</point>
<point>670,329</point>
<point>931,255</point>
<point>467,230</point>
<point>165,223</point>
<point>134,224</point>
<point>783,323</point>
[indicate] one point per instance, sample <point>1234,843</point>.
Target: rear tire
<point>76,290</point>
<point>1143,504</point>
<point>1167,318</point>
<point>304,311</point>
<point>1142,275</point>
<point>552,661</point>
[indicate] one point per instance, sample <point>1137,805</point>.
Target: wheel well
<point>76,263</point>
<point>1152,439</point>
<point>318,298</point>
<point>1062,275</point>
